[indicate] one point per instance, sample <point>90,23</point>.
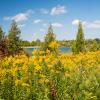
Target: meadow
<point>49,50</point>
<point>50,76</point>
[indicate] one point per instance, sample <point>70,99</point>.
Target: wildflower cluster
<point>48,76</point>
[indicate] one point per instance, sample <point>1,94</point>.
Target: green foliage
<point>65,43</point>
<point>50,37</point>
<point>36,43</point>
<point>79,45</point>
<point>51,77</point>
<point>1,34</point>
<point>14,39</point>
<point>3,44</point>
<point>73,47</point>
<point>92,45</point>
<point>24,43</point>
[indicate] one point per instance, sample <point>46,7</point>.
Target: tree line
<point>12,44</point>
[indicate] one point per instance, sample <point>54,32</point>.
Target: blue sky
<point>34,16</point>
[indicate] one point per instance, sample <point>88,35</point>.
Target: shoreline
<point>31,47</point>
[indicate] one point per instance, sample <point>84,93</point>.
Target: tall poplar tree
<point>79,45</point>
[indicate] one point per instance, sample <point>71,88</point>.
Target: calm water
<point>62,49</point>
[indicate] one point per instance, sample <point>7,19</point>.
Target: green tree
<point>33,43</point>
<point>14,39</point>
<point>50,37</point>
<point>1,34</point>
<point>73,47</point>
<point>38,42</point>
<point>79,45</point>
<point>25,43</point>
<point>1,39</point>
<point>94,46</point>
<point>3,44</point>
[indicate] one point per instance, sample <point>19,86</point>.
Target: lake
<point>62,49</point>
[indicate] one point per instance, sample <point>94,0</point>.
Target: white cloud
<point>95,24</point>
<point>20,16</point>
<point>44,11</point>
<point>7,18</point>
<point>76,22</point>
<point>21,25</point>
<point>57,25</point>
<point>97,21</point>
<point>37,21</point>
<point>42,30</point>
<point>58,10</point>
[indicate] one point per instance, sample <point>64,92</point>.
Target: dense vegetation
<point>49,74</point>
